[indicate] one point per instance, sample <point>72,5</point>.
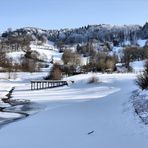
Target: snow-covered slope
<point>101,32</point>
<point>142,43</point>
<point>137,66</point>
<point>117,51</point>
<point>47,54</point>
<point>16,56</point>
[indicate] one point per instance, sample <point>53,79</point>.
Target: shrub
<point>110,63</point>
<point>142,79</point>
<point>71,58</point>
<point>133,53</point>
<point>55,73</point>
<point>93,79</point>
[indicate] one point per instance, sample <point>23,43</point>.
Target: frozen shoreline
<point>81,91</point>
<point>13,110</point>
<point>18,112</point>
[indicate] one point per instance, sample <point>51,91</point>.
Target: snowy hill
<point>102,32</point>
<point>46,44</point>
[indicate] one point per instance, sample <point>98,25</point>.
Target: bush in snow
<point>55,73</point>
<point>69,70</point>
<point>110,63</point>
<point>32,55</point>
<point>105,62</point>
<point>142,79</point>
<point>93,79</point>
<point>29,65</point>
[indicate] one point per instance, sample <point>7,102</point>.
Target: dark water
<point>23,111</point>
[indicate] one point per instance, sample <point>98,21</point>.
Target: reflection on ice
<point>14,113</point>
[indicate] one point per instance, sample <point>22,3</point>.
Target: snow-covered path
<point>66,124</point>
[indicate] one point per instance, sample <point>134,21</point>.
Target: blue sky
<point>56,14</point>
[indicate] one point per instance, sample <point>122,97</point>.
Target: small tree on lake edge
<point>142,79</point>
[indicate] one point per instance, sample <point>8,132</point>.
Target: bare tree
<point>29,65</point>
<point>55,73</point>
<point>71,58</point>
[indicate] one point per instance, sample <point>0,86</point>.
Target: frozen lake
<point>71,113</point>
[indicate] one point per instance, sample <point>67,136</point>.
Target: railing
<point>44,84</point>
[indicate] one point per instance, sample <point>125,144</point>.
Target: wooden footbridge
<point>44,84</point>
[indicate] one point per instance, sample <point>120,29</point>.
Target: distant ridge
<point>99,33</point>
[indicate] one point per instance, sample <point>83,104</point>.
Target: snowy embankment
<point>48,55</point>
<point>14,109</point>
<point>140,103</point>
<point>16,56</point>
<point>74,91</point>
<point>80,90</point>
<point>142,43</point>
<point>44,54</point>
<point>138,66</point>
<point>66,122</point>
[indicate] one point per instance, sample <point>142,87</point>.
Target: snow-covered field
<point>102,109</point>
<point>45,53</point>
<point>137,66</point>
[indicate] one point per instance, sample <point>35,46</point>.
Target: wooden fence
<point>44,84</point>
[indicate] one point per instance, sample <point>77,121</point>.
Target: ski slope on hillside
<point>66,123</point>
